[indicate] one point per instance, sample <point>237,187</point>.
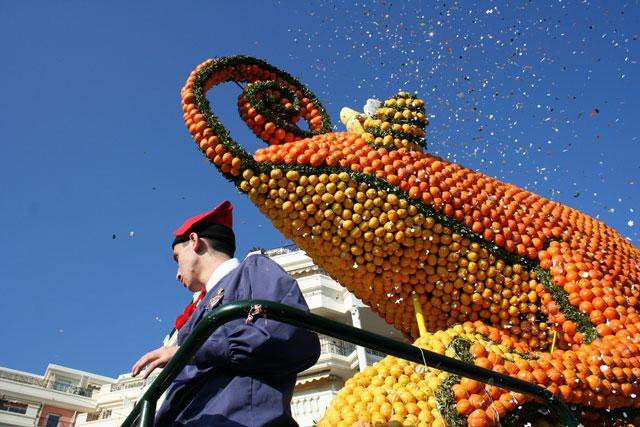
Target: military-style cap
<point>216,224</point>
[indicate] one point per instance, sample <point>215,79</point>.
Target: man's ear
<point>197,243</point>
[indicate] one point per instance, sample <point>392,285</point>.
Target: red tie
<point>188,311</point>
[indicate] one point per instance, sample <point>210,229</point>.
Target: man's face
<point>188,265</point>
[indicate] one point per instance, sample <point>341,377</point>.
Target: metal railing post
<point>148,413</point>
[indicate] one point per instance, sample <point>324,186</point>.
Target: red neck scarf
<point>188,311</point>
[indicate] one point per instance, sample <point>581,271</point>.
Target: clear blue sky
<point>92,145</point>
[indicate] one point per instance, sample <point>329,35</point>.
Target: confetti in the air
<point>507,86</point>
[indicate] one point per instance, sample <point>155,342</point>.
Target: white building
<point>82,399</point>
<point>53,399</point>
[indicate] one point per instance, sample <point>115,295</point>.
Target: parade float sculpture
<point>506,279</point>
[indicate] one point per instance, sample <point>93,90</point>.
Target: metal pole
<point>148,413</point>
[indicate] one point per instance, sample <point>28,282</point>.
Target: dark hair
<point>220,246</point>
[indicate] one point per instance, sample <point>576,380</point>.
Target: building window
<point>52,420</point>
<point>93,416</point>
<point>61,385</point>
<point>13,406</point>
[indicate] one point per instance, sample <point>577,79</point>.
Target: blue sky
<point>97,169</point>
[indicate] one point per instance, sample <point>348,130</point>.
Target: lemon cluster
<point>402,393</point>
<point>399,122</point>
<point>392,390</point>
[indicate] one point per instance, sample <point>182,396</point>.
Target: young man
<point>245,372</point>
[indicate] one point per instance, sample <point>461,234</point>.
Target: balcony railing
<point>128,385</point>
<point>138,383</point>
<point>374,356</point>
<point>40,382</point>
<point>335,346</point>
<point>67,388</point>
<point>377,354</point>
<point>20,378</point>
<point>344,348</point>
<point>282,250</point>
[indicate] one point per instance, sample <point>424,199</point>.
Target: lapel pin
<point>216,300</point>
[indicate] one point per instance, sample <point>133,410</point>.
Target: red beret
<point>217,223</point>
<point>221,214</point>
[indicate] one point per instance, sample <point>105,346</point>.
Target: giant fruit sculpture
<point>499,272</point>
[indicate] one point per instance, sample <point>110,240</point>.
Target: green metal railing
<point>145,409</point>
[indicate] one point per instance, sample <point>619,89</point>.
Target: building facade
<point>67,397</point>
<point>56,398</point>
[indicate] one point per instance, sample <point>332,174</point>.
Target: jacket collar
<point>222,270</point>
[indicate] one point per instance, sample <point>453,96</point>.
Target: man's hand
<point>152,360</point>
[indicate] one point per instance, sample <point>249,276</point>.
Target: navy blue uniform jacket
<point>245,373</point>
